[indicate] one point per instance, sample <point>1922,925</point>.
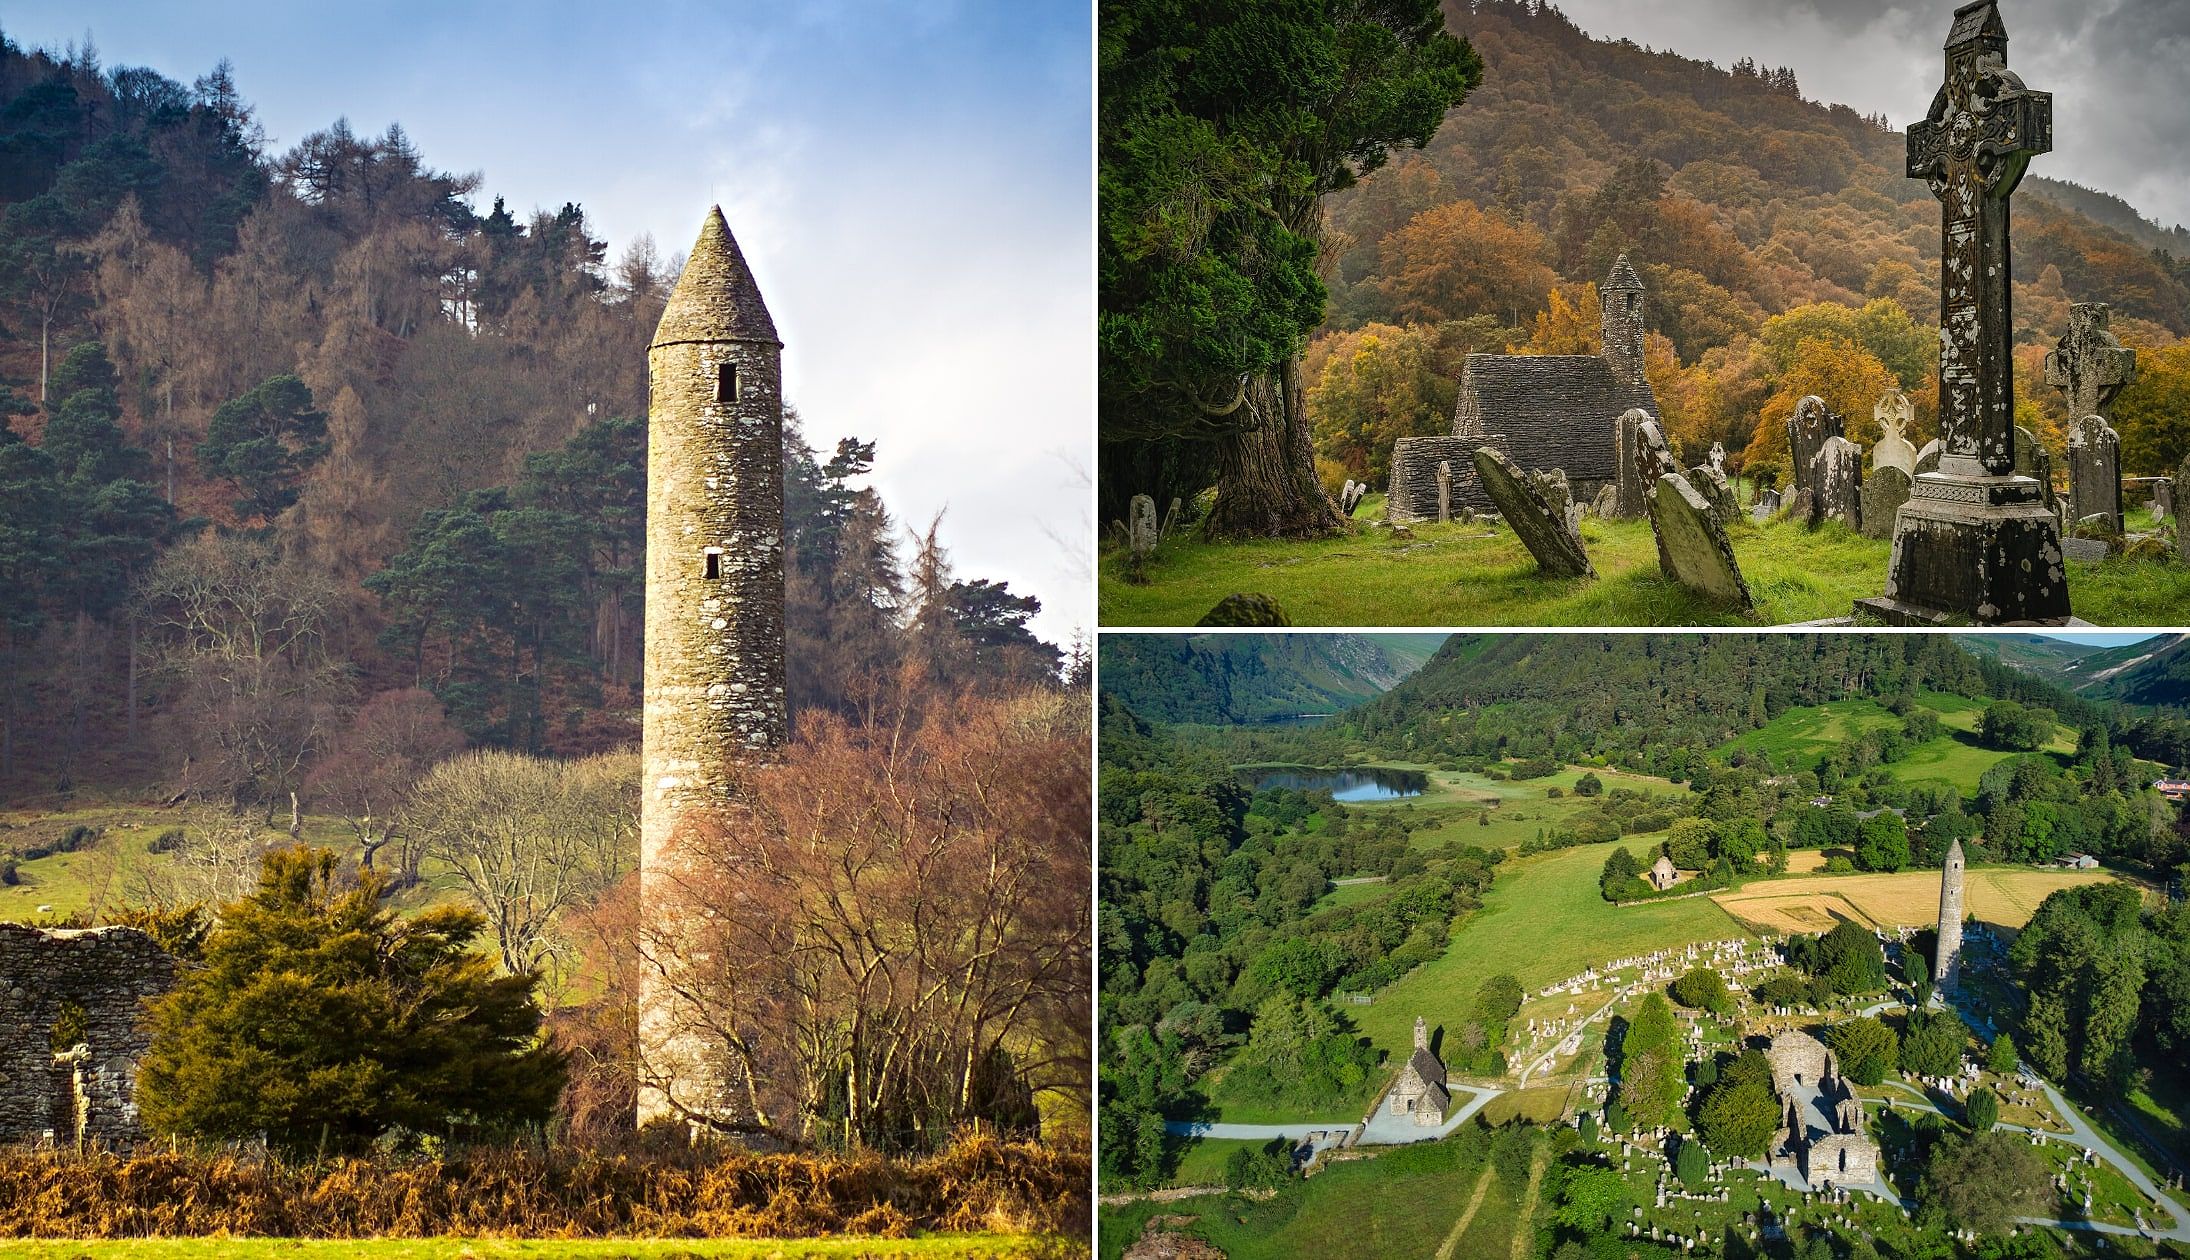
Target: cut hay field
<point>2006,896</point>
<point>940,1247</point>
<point>1543,920</point>
<point>1481,575</point>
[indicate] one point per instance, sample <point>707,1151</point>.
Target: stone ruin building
<point>1420,1090</point>
<point>1821,1131</point>
<point>714,680</point>
<point>1662,875</point>
<point>1542,411</point>
<point>86,987</point>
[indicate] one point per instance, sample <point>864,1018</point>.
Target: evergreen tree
<point>263,442</point>
<point>324,1020</point>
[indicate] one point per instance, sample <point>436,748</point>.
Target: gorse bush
<point>977,1184</point>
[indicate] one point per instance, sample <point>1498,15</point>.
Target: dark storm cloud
<point>2119,70</point>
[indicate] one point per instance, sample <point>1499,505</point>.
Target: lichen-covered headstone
<point>1884,491</point>
<point>1246,609</point>
<point>1444,491</point>
<point>1692,549</point>
<point>2089,363</point>
<point>2034,461</point>
<point>2095,470</point>
<point>1771,500</point>
<point>1632,484</point>
<point>1540,511</point>
<point>1717,458</point>
<point>1717,491</point>
<point>1894,414</point>
<point>1653,459</point>
<point>1607,503</point>
<point>2163,498</point>
<point>1836,482</point>
<point>1171,516</point>
<point>1807,430</point>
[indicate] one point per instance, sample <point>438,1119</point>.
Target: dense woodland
<point>288,432</point>
<point>1226,678</point>
<point>1783,250</point>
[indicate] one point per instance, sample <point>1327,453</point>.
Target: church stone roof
<point>1426,1066</point>
<point>716,298</point>
<point>1555,410</point>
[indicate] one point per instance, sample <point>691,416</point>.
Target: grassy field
<point>2007,896</point>
<point>1955,758</point>
<point>1397,1204</point>
<point>1543,920</point>
<point>1481,575</point>
<point>1201,1160</point>
<point>941,1247</point>
<point>1515,809</point>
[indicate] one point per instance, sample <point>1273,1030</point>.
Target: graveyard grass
<point>937,1247</point>
<point>1481,575</point>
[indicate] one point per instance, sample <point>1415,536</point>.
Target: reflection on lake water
<point>1351,786</point>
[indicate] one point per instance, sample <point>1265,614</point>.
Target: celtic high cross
<point>1982,131</point>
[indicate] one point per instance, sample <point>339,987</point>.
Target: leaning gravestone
<point>1245,610</point>
<point>1692,548</point>
<point>1171,516</point>
<point>1884,491</point>
<point>2163,498</point>
<point>1811,424</point>
<point>2095,470</point>
<point>1927,458</point>
<point>1444,491</point>
<point>1653,459</point>
<point>1894,414</point>
<point>1836,482</point>
<point>1540,511</point>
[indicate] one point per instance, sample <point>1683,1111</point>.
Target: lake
<point>1352,786</point>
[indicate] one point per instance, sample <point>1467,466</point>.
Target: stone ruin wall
<point>1412,495</point>
<point>110,972</point>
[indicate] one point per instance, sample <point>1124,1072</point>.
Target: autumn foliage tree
<point>898,926</point>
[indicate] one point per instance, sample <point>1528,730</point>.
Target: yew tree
<point>1221,128</point>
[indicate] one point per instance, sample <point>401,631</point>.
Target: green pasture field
<point>1955,758</point>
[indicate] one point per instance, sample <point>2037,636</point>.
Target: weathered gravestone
<point>1539,509</point>
<point>2182,519</point>
<point>2089,364</point>
<point>2034,461</point>
<point>2163,498</point>
<point>1653,459</point>
<point>1807,430</point>
<point>1171,516</point>
<point>1975,542</point>
<point>1140,536</point>
<point>1927,458</point>
<point>1444,491</point>
<point>1894,414</point>
<point>2095,470</point>
<point>1717,458</point>
<point>1836,483</point>
<point>1692,547</point>
<point>1768,503</point>
<point>1717,491</point>
<point>1884,491</point>
<point>1633,487</point>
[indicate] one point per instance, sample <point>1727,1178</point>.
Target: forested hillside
<point>1783,251</point>
<point>1237,678</point>
<point>287,431</point>
<point>1644,700</point>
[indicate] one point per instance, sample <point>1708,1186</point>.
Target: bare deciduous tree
<point>531,838</point>
<point>368,774</point>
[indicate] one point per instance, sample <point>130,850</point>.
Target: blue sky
<point>912,184</point>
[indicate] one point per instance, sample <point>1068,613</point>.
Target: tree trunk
<point>1266,473</point>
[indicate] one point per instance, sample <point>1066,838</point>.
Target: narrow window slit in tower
<point>726,382</point>
<point>714,563</point>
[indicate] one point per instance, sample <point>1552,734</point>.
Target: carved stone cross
<point>2089,363</point>
<point>1982,131</point>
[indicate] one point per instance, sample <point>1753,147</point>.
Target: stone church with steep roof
<point>1420,1090</point>
<point>1542,411</point>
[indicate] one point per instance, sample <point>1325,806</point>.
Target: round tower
<point>1619,320</point>
<point>1947,965</point>
<point>713,691</point>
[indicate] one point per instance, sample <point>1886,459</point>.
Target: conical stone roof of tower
<point>1623,277</point>
<point>1954,850</point>
<point>715,299</point>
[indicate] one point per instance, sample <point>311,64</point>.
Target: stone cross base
<point>1974,551</point>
